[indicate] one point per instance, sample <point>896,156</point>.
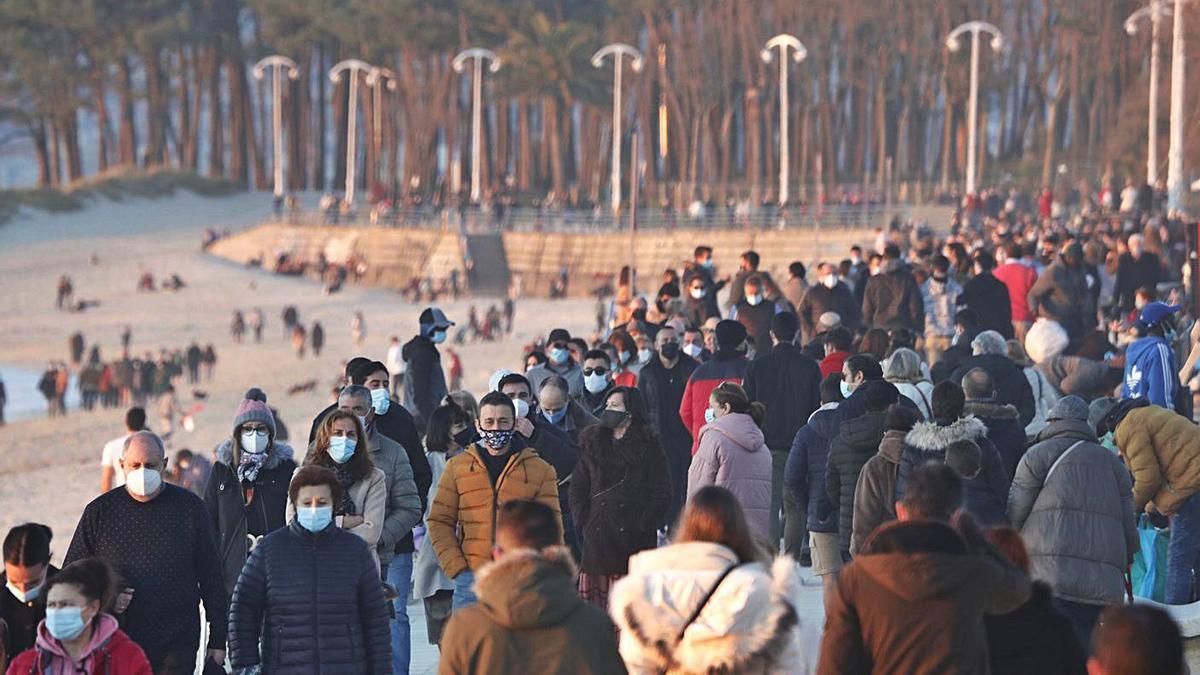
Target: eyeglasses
<point>261,431</point>
<point>559,345</point>
<point>595,371</point>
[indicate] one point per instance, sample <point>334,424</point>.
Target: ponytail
<point>733,395</point>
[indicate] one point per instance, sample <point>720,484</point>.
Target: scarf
<point>250,464</point>
<point>346,478</point>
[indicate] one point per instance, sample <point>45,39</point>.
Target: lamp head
<point>997,43</point>
<point>952,43</point>
<point>766,55</point>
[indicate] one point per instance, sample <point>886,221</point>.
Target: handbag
<point>1148,576</point>
<point>696,614</point>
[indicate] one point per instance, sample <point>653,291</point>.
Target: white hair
<point>989,342</point>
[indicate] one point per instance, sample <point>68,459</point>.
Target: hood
<point>1141,346</point>
<point>529,589</point>
<point>277,454</point>
<point>1075,430</point>
<point>892,445</point>
<point>865,429</point>
<point>824,422</point>
<point>739,428</point>
<point>990,410</point>
<point>916,560</point>
<point>105,628</point>
<point>929,436</point>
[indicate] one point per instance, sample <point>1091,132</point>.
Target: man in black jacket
<point>662,382</point>
<point>829,294</point>
<point>892,298</point>
<point>990,353</point>
<point>988,296</point>
<point>1135,269</point>
<point>788,383</point>
<point>424,380</point>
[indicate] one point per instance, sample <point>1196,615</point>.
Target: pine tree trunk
<point>524,146</point>
<point>37,136</point>
<point>128,141</point>
<point>216,125</point>
<point>103,126</point>
<point>318,133</point>
<point>155,109</point>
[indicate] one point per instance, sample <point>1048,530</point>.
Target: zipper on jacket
<point>496,487</point>
<point>315,615</point>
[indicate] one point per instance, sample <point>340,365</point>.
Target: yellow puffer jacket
<point>466,503</point>
<point>1162,450</point>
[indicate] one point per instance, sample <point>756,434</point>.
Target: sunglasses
<point>595,371</point>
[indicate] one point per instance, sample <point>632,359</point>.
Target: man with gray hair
<point>159,539</point>
<point>990,354</point>
<point>557,407</point>
<point>402,513</point>
<point>1004,428</point>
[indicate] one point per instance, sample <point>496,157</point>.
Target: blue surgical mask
<point>559,356</point>
<point>709,416</point>
<point>644,356</point>
<point>595,383</point>
<point>847,390</point>
<point>314,518</point>
<point>341,448</point>
<point>754,299</point>
<point>438,337</point>
<point>380,400</point>
<point>555,417</point>
<point>707,264</point>
<point>65,623</point>
<point>622,358</point>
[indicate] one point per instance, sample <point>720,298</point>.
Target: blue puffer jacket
<point>317,603</point>
<point>804,473</point>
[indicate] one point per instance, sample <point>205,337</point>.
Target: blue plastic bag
<point>1149,572</point>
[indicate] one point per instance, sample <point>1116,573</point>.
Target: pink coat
<point>732,454</point>
<point>110,652</point>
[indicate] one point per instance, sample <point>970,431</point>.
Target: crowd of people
<point>959,435</point>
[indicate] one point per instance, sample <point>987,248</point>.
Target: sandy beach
<point>50,466</point>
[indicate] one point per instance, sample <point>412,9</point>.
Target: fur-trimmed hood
<point>750,625</point>
<point>991,410</point>
<point>277,454</point>
<point>528,588</point>
<point>931,436</point>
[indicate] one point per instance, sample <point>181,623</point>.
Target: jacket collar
<point>529,589</point>
<point>277,454</point>
<point>104,627</point>
<point>990,410</point>
<point>934,436</point>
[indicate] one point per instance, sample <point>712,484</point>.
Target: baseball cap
<point>558,335</point>
<point>1155,312</point>
<point>432,316</point>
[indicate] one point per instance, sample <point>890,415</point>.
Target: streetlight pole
<point>782,42</point>
<point>953,44</point>
<point>1156,10</point>
<point>376,79</point>
<point>276,63</point>
<point>617,50</point>
<point>1175,149</point>
<point>479,55</point>
<point>354,67</point>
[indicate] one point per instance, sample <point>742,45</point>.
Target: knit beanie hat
<point>253,408</point>
<point>1069,408</point>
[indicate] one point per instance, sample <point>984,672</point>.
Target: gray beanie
<point>1069,408</point>
<point>1099,409</point>
<point>253,408</point>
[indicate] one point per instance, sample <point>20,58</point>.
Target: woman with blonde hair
<point>903,369</point>
<point>709,602</point>
<point>342,447</point>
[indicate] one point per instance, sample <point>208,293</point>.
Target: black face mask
<point>613,418</point>
<point>639,314</point>
<point>465,437</point>
<point>669,350</point>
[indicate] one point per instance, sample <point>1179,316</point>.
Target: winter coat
<point>557,449</point>
<point>1080,376</point>
<point>1019,279</point>
<point>1061,293</point>
<point>1008,379</point>
<point>1044,398</point>
<point>663,389</point>
<point>920,393</point>
<point>749,625</point>
<point>462,520</point>
<point>804,473</point>
<point>428,577</point>
<point>225,497</point>
<point>21,618</point>
<point>370,497</point>
<point>424,379</point>
<point>1162,451</point>
<point>1004,431</point>
<point>794,290</point>
<point>569,371</point>
<point>403,510</point>
<point>988,297</point>
<point>892,299</point>
<point>1133,274</point>
<point>875,491</point>
<point>733,455</point>
<point>316,603</point>
<point>1075,512</point>
<point>724,367</point>
<point>820,299</point>
<point>941,304</point>
<point>913,602</point>
<point>620,494</point>
<point>578,418</point>
<point>529,619</point>
<point>1151,372</point>
<point>985,494</point>
<point>788,383</point>
<point>110,652</point>
<point>757,321</point>
<point>857,442</point>
<point>1034,639</point>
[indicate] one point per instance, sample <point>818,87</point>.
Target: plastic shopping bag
<point>1149,573</point>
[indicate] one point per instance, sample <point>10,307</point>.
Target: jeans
<point>464,595</point>
<point>1183,551</point>
<point>399,575</point>
<point>792,525</point>
<point>1083,619</point>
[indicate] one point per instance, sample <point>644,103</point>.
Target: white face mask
<point>644,355</point>
<point>697,293</point>
<point>28,595</point>
<point>522,407</point>
<point>829,280</point>
<point>693,350</point>
<point>595,383</point>
<point>254,442</point>
<point>143,482</point>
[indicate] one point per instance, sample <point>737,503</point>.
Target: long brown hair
<point>714,515</point>
<point>732,395</point>
<point>360,464</point>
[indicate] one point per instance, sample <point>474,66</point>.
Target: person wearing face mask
<point>401,514</point>
<point>940,294</point>
<point>1136,269</point>
<point>27,568</point>
<point>597,381</point>
<point>755,311</point>
<point>796,285</point>
<point>556,407</point>
<point>309,598</point>
<point>692,344</point>
<point>697,307</point>
<point>495,468</point>
<point>662,383</point>
<point>77,636</point>
<point>620,493</point>
<point>424,380</point>
<point>829,294</point>
<point>451,430</point>
<point>247,490</point>
<point>623,355</point>
<point>702,266</point>
<point>748,267</point>
<point>1150,367</point>
<point>1061,292</point>
<point>727,365</point>
<point>892,298</point>
<point>558,362</point>
<point>159,539</point>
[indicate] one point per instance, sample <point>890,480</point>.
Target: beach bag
<point>1149,572</point>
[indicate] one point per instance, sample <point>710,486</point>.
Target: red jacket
<point>833,363</point>
<point>1019,278</point>
<point>704,379</point>
<point>110,652</point>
